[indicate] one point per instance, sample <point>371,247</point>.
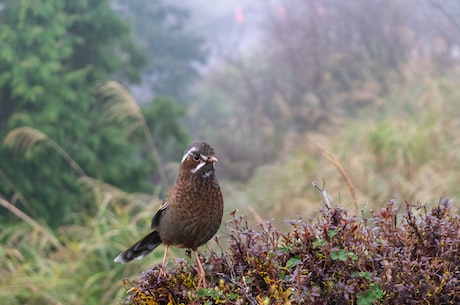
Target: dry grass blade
<point>24,138</point>
<point>106,187</point>
<point>256,215</point>
<point>104,192</point>
<point>31,222</point>
<point>17,196</point>
<point>331,157</point>
<point>45,295</point>
<point>122,105</point>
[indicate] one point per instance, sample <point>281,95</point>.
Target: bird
<point>191,213</point>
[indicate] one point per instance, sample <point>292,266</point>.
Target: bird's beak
<point>212,159</point>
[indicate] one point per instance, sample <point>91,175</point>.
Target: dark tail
<point>140,249</point>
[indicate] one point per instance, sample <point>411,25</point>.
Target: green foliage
<point>54,53</point>
<point>34,47</point>
<point>102,44</point>
<point>342,255</point>
<point>369,297</point>
<point>162,116</point>
<point>43,86</point>
<point>367,261</point>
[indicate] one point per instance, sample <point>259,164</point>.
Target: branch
<point>326,196</point>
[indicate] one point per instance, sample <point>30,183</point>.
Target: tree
<point>53,54</point>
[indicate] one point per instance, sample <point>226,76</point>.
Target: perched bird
<point>191,212</point>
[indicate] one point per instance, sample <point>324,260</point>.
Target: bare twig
<point>326,196</point>
<point>412,222</point>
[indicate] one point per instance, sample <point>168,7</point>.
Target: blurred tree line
<point>54,56</point>
<point>318,63</point>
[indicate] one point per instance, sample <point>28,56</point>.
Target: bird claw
<point>201,278</point>
<point>162,272</point>
<point>202,283</point>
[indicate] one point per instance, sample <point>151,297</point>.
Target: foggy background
<point>99,99</point>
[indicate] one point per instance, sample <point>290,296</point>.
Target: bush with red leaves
<point>340,259</point>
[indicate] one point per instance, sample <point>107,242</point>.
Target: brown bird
<point>191,212</point>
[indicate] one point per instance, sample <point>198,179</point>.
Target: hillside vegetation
<point>358,252</point>
<point>362,95</point>
<point>386,258</point>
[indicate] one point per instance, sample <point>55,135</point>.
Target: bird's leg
<point>163,264</point>
<point>200,270</point>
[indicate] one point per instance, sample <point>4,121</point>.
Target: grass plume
<point>25,138</point>
<point>121,106</point>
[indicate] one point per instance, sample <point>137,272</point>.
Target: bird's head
<point>199,159</point>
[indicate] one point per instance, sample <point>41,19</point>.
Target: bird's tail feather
<point>140,249</point>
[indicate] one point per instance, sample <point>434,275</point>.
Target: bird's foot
<point>162,272</point>
<point>201,278</point>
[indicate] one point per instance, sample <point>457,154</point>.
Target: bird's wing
<point>156,217</point>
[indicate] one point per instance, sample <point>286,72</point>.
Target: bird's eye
<point>196,157</point>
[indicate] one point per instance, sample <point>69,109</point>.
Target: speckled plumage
<point>192,211</point>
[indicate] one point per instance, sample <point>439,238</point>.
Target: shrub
<point>388,258</point>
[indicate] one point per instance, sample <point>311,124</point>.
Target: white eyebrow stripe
<point>192,149</point>
<point>197,168</point>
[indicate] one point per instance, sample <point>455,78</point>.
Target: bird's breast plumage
<point>195,209</point>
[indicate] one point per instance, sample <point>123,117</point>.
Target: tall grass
<point>33,270</point>
<point>74,264</point>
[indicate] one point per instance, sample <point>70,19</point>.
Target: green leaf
<point>332,233</point>
<point>353,256</point>
<point>363,274</point>
<point>292,262</point>
<point>204,292</point>
<point>318,243</point>
<point>371,295</point>
<point>232,296</point>
<point>341,255</point>
<point>285,248</point>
